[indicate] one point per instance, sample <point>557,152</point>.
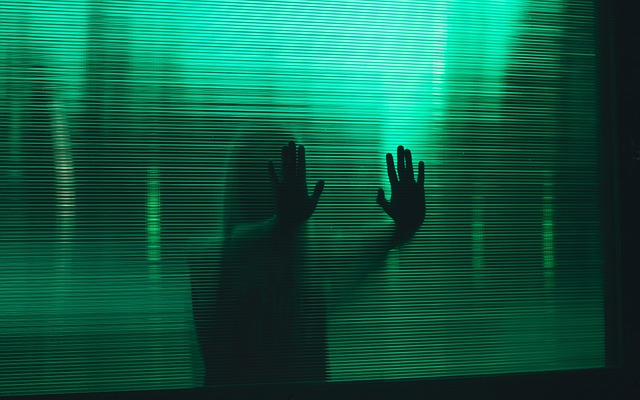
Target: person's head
<point>249,197</point>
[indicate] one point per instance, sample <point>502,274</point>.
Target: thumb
<point>317,191</point>
<point>383,202</point>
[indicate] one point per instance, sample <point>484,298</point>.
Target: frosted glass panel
<point>125,125</point>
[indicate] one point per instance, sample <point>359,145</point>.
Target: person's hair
<point>249,197</point>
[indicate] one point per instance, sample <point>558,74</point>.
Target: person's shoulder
<point>205,248</point>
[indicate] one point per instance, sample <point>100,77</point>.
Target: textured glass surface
<point>121,121</point>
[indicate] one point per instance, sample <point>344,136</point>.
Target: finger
<point>401,170</point>
<point>272,174</point>
<point>292,158</point>
<point>383,202</point>
<point>288,163</point>
<point>285,163</point>
<point>391,170</point>
<point>302,164</point>
<point>409,163</point>
<point>421,174</point>
<point>317,191</point>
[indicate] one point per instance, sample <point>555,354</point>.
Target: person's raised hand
<point>407,203</point>
<point>293,203</point>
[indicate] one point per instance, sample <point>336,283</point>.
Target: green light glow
<point>153,222</point>
<point>478,239</point>
<point>65,181</point>
<point>547,235</point>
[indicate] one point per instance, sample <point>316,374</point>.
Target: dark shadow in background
<point>626,94</point>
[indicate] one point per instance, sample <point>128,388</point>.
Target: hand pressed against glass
<point>407,204</point>
<point>293,203</point>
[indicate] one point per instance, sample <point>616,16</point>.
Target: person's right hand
<point>407,203</point>
<point>293,203</point>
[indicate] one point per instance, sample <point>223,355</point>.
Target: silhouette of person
<point>263,323</point>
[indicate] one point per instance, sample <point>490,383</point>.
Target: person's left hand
<point>407,204</point>
<point>293,203</point>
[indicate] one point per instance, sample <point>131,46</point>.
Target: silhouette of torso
<point>264,323</point>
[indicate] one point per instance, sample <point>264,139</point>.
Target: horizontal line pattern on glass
<point>134,141</point>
